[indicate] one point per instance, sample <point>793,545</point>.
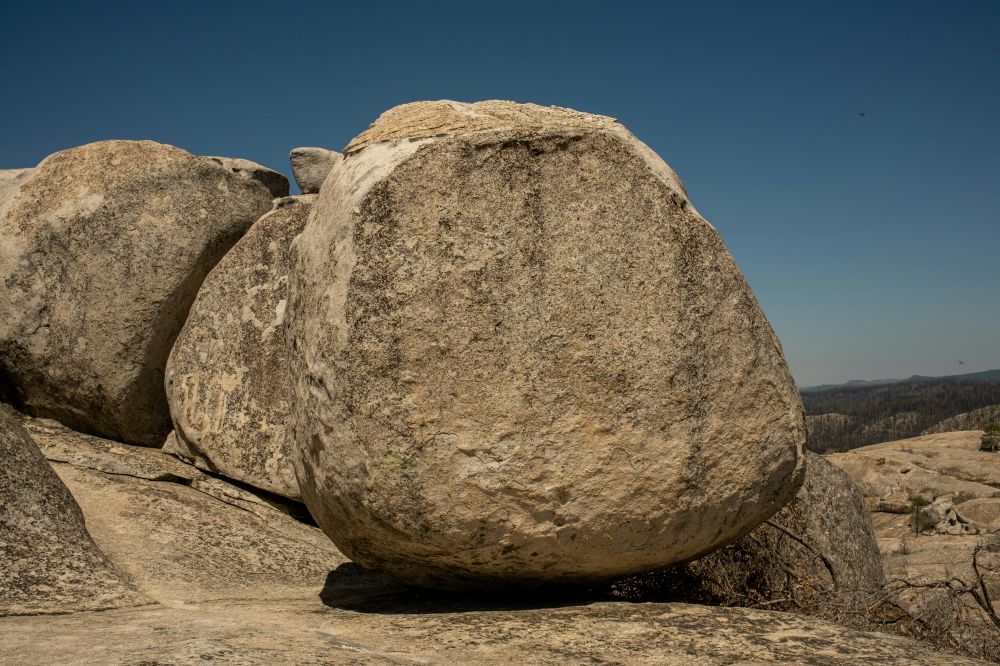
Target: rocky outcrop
<point>818,555</point>
<point>276,183</point>
<point>102,250</point>
<point>310,167</point>
<point>934,500</point>
<point>943,517</point>
<point>930,466</point>
<point>48,562</point>
<point>182,535</point>
<point>242,583</point>
<point>227,376</point>
<point>521,355</point>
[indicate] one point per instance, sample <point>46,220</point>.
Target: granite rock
<point>48,561</point>
<point>102,250</point>
<point>519,354</point>
<point>310,167</point>
<point>227,376</point>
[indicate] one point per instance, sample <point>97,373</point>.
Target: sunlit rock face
<point>520,355</point>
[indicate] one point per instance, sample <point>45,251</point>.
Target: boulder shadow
<point>351,587</point>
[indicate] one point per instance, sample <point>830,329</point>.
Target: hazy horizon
<point>871,241</point>
<point>901,377</point>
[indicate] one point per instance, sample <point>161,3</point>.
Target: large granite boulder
<point>227,376</point>
<point>102,249</point>
<point>817,555</point>
<point>520,354</point>
<point>310,167</point>
<point>48,562</point>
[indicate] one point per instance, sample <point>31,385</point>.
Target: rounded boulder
<point>520,355</point>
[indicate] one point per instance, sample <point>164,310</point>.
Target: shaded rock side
<point>519,354</point>
<point>102,250</point>
<point>276,183</point>
<point>818,555</point>
<point>184,536</point>
<point>48,562</point>
<point>310,167</point>
<point>227,376</point>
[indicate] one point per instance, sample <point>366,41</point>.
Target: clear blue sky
<point>873,244</point>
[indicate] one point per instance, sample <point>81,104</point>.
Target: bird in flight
<point>862,113</point>
<point>961,362</point>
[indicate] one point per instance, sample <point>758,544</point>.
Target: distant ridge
<point>983,376</point>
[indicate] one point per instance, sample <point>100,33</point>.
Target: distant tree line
<point>847,417</point>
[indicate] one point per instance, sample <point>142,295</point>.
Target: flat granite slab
<point>397,631</point>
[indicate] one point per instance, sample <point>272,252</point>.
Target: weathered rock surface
<point>255,588</point>
<point>930,466</point>
<point>11,178</point>
<point>276,183</point>
<point>227,376</point>
<point>599,633</point>
<point>520,354</point>
<point>102,250</point>
<point>184,536</point>
<point>310,167</point>
<point>818,555</point>
<point>48,562</point>
<point>984,513</point>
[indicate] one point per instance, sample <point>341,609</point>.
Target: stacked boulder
<point>227,379</point>
<point>276,183</point>
<point>102,250</point>
<point>519,354</point>
<point>311,166</point>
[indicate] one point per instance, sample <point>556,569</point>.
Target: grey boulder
<point>310,167</point>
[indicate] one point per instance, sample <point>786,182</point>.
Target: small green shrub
<point>918,516</point>
<point>991,438</point>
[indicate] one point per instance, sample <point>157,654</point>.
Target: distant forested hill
<point>846,417</point>
<point>985,376</point>
<point>977,419</point>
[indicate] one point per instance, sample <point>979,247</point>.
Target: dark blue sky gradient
<point>873,244</point>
